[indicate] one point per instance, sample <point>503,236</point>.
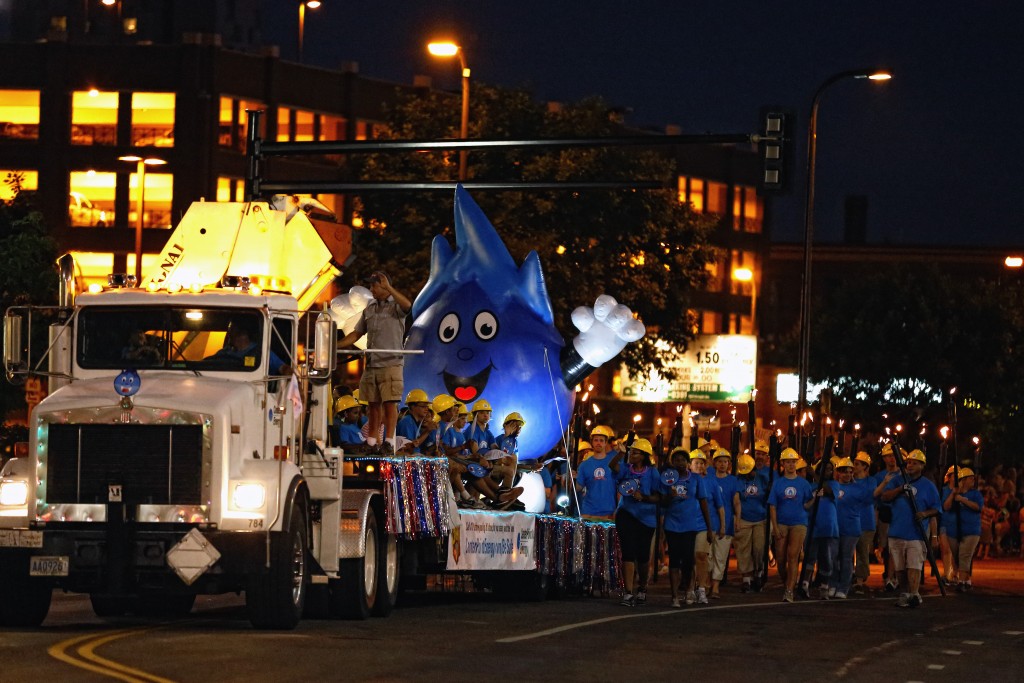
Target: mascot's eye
<point>448,328</point>
<point>485,325</point>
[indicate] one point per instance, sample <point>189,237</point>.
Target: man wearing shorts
<point>383,323</point>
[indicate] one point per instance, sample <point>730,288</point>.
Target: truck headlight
<point>13,493</point>
<point>249,496</point>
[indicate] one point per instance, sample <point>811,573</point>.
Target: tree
<point>904,338</point>
<point>643,247</point>
<point>27,273</point>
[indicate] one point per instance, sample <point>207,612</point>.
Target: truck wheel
<point>107,606</point>
<point>389,569</point>
<point>24,602</point>
<point>354,595</point>
<point>275,597</point>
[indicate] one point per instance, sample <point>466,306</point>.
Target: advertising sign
<point>490,540</point>
<point>715,368</point>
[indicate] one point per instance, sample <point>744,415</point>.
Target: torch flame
<point>597,409</point>
<point>637,418</point>
<point>944,431</point>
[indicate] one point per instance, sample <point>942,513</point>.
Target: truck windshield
<point>170,338</point>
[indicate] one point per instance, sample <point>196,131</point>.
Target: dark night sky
<point>937,150</point>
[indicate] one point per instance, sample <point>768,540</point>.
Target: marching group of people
<point>821,526</point>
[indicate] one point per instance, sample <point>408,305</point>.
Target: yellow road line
<point>85,647</point>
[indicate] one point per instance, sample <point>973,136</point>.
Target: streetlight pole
<point>805,284</point>
<point>140,205</point>
<point>312,4</point>
<point>449,49</point>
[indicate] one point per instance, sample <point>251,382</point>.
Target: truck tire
<point>389,570</point>
<point>354,595</point>
<point>24,602</point>
<point>275,597</point>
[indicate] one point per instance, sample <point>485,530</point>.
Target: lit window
<point>697,194</point>
<point>156,200</point>
<point>19,114</point>
<point>227,120</point>
<point>14,181</point>
<point>234,122</point>
<point>94,118</point>
<point>153,119</point>
<point>283,117</point>
<point>228,189</point>
<point>753,211</point>
<point>94,266</point>
<point>91,199</point>
<point>332,127</point>
<point>304,126</point>
<point>716,197</point>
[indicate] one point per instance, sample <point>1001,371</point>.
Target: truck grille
<point>153,464</point>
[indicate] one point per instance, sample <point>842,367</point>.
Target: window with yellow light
<point>13,181</point>
<point>94,117</point>
<point>19,114</point>
<point>153,119</point>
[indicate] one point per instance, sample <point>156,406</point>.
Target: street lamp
<point>450,49</point>
<point>311,4</point>
<point>805,285</point>
<point>746,274</point>
<point>140,203</point>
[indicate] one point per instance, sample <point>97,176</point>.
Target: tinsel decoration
<point>414,491</point>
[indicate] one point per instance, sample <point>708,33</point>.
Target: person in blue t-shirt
<point>416,427</point>
<point>636,518</point>
<point>686,515</point>
<point>962,545</point>
<point>868,513</point>
<point>852,498</point>
<point>594,479</point>
<point>346,424</point>
<point>907,547</point>
<point>728,488</point>
<point>885,514</point>
<point>752,491</point>
<point>788,502</point>
<point>702,549</point>
<point>823,545</point>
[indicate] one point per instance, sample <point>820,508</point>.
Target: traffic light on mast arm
<point>776,150</point>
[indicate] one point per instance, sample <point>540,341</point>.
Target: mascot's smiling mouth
<point>466,389</point>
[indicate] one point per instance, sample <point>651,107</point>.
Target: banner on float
<point>489,540</point>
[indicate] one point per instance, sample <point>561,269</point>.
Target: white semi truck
<point>183,446</point>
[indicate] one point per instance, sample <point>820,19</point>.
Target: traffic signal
<point>774,150</point>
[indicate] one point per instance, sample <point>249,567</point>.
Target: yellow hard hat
<point>966,472</point>
<point>887,449</point>
<point>582,446</point>
<point>744,464</point>
<point>344,403</point>
<point>789,454</point>
<point>698,454</point>
<point>916,454</point>
<point>843,462</point>
<point>355,395</point>
<point>442,402</point>
<point>834,459</point>
<point>679,449</point>
<point>514,417</point>
<point>952,468</point>
<point>864,457</point>
<point>801,463</point>
<point>722,453</point>
<point>603,430</point>
<point>462,409</point>
<point>761,446</point>
<point>480,405</point>
<point>416,396</point>
<point>642,445</point>
<point>702,442</point>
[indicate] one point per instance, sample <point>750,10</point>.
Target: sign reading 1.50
<point>707,357</point>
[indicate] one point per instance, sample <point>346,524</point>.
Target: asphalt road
<point>439,636</point>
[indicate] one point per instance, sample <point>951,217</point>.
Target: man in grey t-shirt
<point>383,323</point>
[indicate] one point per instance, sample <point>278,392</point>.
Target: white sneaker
<point>691,597</point>
<point>831,591</point>
<point>840,595</point>
<point>675,603</point>
<point>702,597</point>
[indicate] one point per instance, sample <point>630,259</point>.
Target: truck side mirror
<point>325,353</point>
<point>14,357</point>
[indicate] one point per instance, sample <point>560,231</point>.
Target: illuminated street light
<point>878,75</point>
<point>448,49</point>
<point>744,274</point>
<point>311,4</point>
<point>1014,261</point>
<point>140,204</point>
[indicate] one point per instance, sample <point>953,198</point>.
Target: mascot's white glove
<point>605,330</point>
<point>346,309</point>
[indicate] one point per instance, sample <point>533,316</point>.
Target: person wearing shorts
<point>788,502</point>
<point>963,545</point>
<point>383,323</point>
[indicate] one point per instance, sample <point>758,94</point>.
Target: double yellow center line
<point>85,656</point>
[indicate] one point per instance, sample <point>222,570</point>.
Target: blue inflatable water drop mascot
<point>487,331</point>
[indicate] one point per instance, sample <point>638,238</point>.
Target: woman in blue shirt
<point>788,502</point>
<point>636,518</point>
<point>970,501</point>
<point>686,516</point>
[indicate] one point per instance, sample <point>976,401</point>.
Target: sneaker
<point>840,595</point>
<point>859,588</point>
<point>968,587</point>
<point>823,593</point>
<point>702,596</point>
<point>715,595</point>
<point>386,449</point>
<point>915,600</point>
<point>676,604</point>
<point>476,504</point>
<point>890,587</point>
<point>788,596</point>
<point>804,590</point>
<point>641,596</point>
<point>627,600</point>
<point>745,588</point>
<point>831,591</point>
<point>903,600</point>
<point>509,495</point>
<point>691,597</point>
